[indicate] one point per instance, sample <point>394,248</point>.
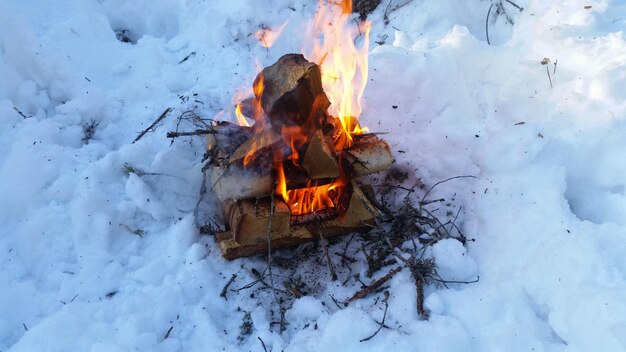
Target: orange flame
<point>310,199</point>
<point>257,88</point>
<point>344,76</point>
<point>344,69</point>
<point>267,37</point>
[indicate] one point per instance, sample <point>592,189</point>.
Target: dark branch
<point>382,323</point>
<point>151,127</point>
<point>173,134</point>
<point>375,285</point>
<point>223,293</point>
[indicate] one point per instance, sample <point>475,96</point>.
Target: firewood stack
<point>290,178</point>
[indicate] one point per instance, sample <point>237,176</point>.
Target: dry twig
<point>487,24</point>
<point>382,323</point>
<point>223,293</point>
<point>375,285</point>
<point>198,132</point>
<point>331,267</point>
<point>262,343</point>
<point>153,125</point>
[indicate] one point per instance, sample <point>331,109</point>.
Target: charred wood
<point>291,93</point>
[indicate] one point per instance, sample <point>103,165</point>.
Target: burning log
<point>358,215</point>
<point>256,148</point>
<point>368,155</point>
<point>291,93</point>
<point>292,180</point>
<point>319,160</point>
<point>226,137</point>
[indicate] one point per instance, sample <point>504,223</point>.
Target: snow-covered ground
<point>546,211</point>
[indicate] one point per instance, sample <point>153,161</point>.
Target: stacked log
<point>295,134</point>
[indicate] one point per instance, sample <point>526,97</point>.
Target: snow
<point>96,259</point>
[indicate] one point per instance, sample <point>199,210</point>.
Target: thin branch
<point>262,343</point>
<point>331,267</point>
<point>21,113</point>
<point>223,293</point>
<point>455,218</point>
<point>515,5</point>
<point>487,24</point>
<point>198,132</point>
<point>382,323</point>
<point>549,78</point>
<point>389,10</point>
<point>457,282</point>
<point>555,62</point>
<point>335,301</point>
<point>269,263</point>
<point>152,126</point>
<point>169,331</point>
<point>444,181</point>
<point>203,191</point>
<point>375,285</point>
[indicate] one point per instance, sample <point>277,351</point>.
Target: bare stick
<point>457,282</point>
<point>487,24</point>
<point>426,202</point>
<point>375,285</point>
<point>169,331</point>
<point>203,191</point>
<point>259,278</point>
<point>223,293</point>
<point>382,323</point>
<point>419,287</point>
<point>555,62</point>
<point>198,132</point>
<point>455,218</point>
<point>515,5</point>
<point>549,78</point>
<point>269,262</point>
<point>151,127</point>
<point>262,343</point>
<point>446,180</point>
<point>21,113</point>
<point>333,275</point>
<point>389,9</point>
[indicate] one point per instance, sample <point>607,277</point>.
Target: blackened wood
<point>258,149</point>
<point>226,138</point>
<point>322,215</point>
<point>319,158</point>
<point>292,93</point>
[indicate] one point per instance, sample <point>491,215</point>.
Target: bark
<point>291,93</point>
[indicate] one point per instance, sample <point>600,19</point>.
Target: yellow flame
<point>343,65</point>
<point>240,118</point>
<point>344,69</point>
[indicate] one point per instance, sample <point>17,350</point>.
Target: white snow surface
<point>546,209</point>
